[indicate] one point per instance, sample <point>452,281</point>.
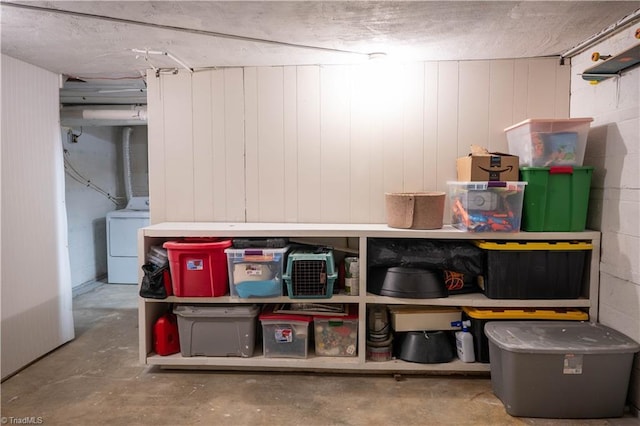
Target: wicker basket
<point>415,210</point>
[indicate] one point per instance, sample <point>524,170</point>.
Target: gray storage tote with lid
<point>217,330</point>
<point>559,369</point>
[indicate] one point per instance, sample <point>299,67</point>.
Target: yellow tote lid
<point>527,313</point>
<point>534,245</point>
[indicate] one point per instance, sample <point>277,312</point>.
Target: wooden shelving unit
<point>353,239</point>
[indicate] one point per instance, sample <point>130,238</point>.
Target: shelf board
<point>256,361</point>
<point>312,363</point>
<point>454,366</point>
<point>337,298</point>
<point>470,299</point>
<point>168,230</point>
<point>479,300</point>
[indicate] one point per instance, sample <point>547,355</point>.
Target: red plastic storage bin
<point>198,267</point>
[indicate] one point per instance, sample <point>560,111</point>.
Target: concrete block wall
<point>613,148</point>
<point>97,155</point>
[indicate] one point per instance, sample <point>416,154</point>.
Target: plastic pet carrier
<point>310,273</point>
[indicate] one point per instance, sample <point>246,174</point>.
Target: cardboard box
<point>492,166</point>
<point>419,318</point>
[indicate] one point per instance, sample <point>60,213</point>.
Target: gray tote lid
<point>210,311</point>
<point>558,337</point>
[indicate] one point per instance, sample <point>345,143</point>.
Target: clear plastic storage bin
<point>256,272</point>
<point>336,336</point>
<point>486,206</point>
<point>285,335</point>
<point>549,142</point>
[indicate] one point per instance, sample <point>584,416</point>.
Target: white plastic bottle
<point>464,342</point>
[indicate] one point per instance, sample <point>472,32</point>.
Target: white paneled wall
<point>35,282</point>
<point>324,143</point>
<point>613,148</point>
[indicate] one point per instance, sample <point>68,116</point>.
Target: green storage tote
<point>556,198</point>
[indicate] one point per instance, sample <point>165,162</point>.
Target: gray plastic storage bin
<point>210,330</point>
<point>560,369</point>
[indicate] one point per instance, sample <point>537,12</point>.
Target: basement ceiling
<point>113,43</point>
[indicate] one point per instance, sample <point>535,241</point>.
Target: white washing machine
<point>122,240</point>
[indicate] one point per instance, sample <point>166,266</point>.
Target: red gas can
<point>165,335</point>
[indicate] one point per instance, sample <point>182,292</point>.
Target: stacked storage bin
<point>210,267</point>
<point>564,351</point>
<point>487,196</point>
<point>198,269</point>
<point>551,153</point>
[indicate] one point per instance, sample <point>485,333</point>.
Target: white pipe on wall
<point>137,113</point>
<point>114,114</point>
<point>126,161</point>
<point>103,115</point>
<point>607,32</point>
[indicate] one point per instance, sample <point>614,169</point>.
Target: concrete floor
<point>97,380</point>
